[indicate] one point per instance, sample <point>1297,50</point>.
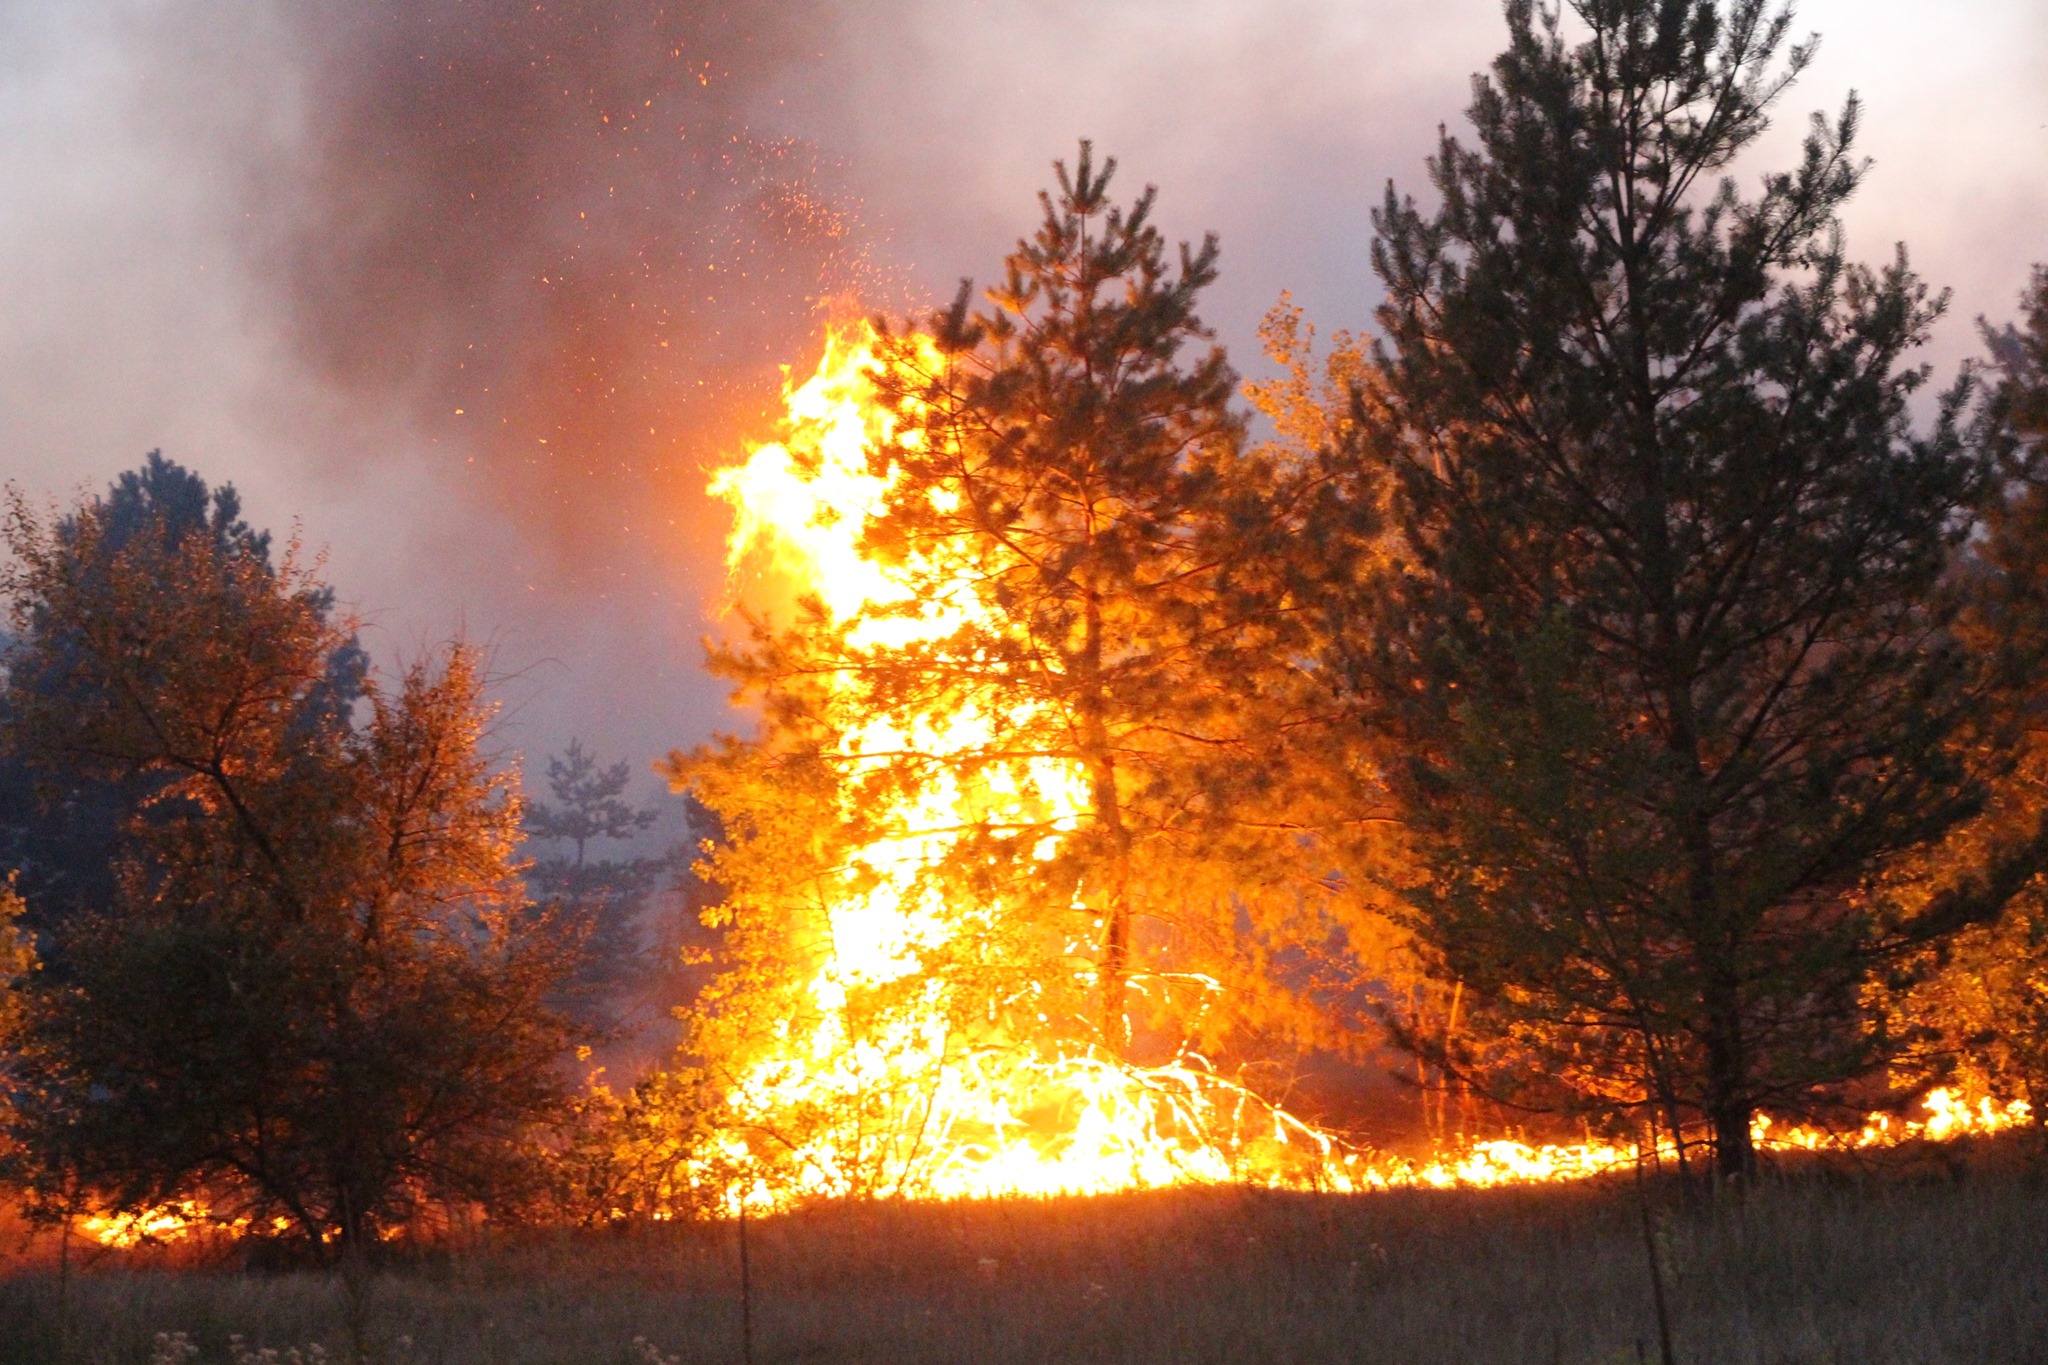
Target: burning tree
<point>1669,671</point>
<point>1018,839</point>
<point>1981,1004</point>
<point>315,998</point>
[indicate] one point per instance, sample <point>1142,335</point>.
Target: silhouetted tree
<point>1667,670</point>
<point>604,900</point>
<point>587,803</point>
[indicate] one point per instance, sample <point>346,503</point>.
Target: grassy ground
<point>1930,1261</point>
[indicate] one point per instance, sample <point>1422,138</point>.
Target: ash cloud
<point>287,242</point>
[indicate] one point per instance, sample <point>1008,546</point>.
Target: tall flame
<point>931,1112</point>
<point>959,1114</point>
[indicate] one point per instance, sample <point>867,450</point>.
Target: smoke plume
<point>560,239</point>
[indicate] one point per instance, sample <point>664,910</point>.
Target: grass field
<point>1943,1257</point>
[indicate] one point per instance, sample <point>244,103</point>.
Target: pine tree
<point>1093,667</point>
<point>1667,672</point>
<point>1081,463</point>
<point>603,899</point>
<point>587,803</point>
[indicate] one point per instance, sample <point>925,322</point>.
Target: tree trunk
<point>1116,975</point>
<point>1115,966</point>
<point>1728,1104</point>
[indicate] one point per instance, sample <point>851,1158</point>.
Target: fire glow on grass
<point>974,1117</point>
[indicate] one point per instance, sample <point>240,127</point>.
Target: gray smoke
<point>288,242</point>
<point>480,287</point>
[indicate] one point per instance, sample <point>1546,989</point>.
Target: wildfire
<point>917,1106</point>
<point>913,1104</point>
<point>929,1109</point>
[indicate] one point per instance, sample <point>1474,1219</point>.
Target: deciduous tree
<point>61,829</point>
<point>316,992</point>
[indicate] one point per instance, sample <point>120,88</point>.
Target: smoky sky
<point>554,234</point>
<point>478,289</point>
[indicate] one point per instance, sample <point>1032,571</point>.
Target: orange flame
<point>1028,1116</point>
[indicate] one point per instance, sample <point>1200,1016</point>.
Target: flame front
<point>930,1108</point>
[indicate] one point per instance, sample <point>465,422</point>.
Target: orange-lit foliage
<point>1009,865</point>
<point>317,993</point>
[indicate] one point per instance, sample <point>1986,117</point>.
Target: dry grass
<point>1934,1262</point>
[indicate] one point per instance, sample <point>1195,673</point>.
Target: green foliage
<point>316,994</point>
<point>1667,673</point>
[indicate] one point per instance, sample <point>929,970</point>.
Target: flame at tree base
<point>1005,1122</point>
<point>1316,1161</point>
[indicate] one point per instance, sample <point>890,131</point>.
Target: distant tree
<point>587,803</point>
<point>604,899</point>
<point>316,992</point>
<point>1667,669</point>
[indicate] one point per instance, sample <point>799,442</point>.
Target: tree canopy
<point>316,993</point>
<point>1667,669</point>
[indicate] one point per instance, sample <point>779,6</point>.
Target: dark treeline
<point>1612,678</point>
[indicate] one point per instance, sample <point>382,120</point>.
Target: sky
<point>473,292</point>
